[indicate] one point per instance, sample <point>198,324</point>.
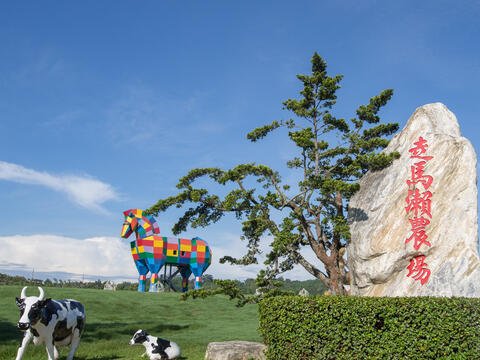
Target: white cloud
<point>140,116</point>
<point>109,257</point>
<point>98,256</point>
<point>227,271</point>
<point>85,191</point>
<point>63,121</point>
<point>104,256</point>
<point>237,248</point>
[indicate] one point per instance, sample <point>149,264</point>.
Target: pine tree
<point>313,212</point>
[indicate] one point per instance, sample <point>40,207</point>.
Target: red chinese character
<point>419,222</point>
<point>416,201</point>
<point>418,267</point>
<point>418,176</point>
<point>419,237</point>
<point>421,148</point>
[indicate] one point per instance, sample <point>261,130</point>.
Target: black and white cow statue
<point>156,348</point>
<point>50,322</point>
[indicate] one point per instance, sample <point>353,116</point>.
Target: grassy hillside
<point>114,316</point>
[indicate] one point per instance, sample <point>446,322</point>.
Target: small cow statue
<point>50,322</point>
<point>155,347</point>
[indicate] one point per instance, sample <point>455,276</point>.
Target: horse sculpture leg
<point>154,283</point>
<point>154,265</point>
<point>142,271</point>
<point>185,272</point>
<point>197,272</point>
<point>198,282</point>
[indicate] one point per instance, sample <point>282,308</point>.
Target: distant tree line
<point>248,286</point>
<point>21,280</point>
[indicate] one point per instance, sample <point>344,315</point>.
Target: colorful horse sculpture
<point>151,251</point>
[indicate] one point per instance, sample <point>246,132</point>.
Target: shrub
<point>348,327</point>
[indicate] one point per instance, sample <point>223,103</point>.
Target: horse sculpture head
<point>142,225</point>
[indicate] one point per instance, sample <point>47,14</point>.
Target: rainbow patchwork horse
<point>151,251</point>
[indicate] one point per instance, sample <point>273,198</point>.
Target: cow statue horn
<point>42,294</point>
<point>23,295</point>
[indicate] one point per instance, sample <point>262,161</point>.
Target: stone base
<point>235,350</point>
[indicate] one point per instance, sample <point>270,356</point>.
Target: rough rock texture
<point>378,255</point>
<point>235,350</point>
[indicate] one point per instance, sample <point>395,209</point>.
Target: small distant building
<point>110,285</point>
<point>303,292</point>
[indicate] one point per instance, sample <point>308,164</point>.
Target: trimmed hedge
<point>349,327</point>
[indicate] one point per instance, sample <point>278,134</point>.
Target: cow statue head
<point>30,308</point>
<point>139,337</point>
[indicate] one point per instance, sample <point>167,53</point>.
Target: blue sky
<point>105,105</point>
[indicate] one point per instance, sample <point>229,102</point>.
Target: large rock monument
<point>414,224</point>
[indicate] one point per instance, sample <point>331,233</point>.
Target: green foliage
<point>314,286</point>
<point>248,286</point>
<point>114,316</point>
<point>341,327</point>
<point>332,155</point>
<point>233,291</point>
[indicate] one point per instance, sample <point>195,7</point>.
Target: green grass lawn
<point>114,316</point>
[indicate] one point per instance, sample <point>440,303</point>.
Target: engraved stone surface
<point>378,255</point>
